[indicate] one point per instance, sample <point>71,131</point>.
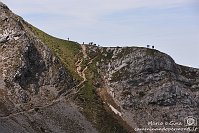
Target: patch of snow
<point>115,110</point>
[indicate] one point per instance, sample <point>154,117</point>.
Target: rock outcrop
<point>30,74</point>
<point>138,87</point>
<point>148,86</point>
<point>33,82</point>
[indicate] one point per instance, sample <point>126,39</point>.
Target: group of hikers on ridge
<point>91,43</point>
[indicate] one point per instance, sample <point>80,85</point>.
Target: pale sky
<point>172,26</point>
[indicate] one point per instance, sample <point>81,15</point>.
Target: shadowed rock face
<point>30,74</point>
<point>61,117</point>
<point>148,85</point>
<point>32,82</point>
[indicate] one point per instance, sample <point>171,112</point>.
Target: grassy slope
<point>65,50</point>
<point>87,98</point>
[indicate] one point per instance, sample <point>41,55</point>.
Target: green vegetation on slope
<point>94,110</point>
<point>92,105</point>
<point>87,98</point>
<point>65,50</point>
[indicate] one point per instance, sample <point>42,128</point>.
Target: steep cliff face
<point>30,74</point>
<point>144,85</point>
<point>52,85</point>
<point>33,82</point>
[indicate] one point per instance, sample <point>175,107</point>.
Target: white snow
<point>115,110</point>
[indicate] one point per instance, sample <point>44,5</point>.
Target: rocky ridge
<point>107,90</point>
<point>33,82</point>
<point>30,73</point>
<point>144,85</point>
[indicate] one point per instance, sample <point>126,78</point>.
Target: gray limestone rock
<point>149,86</point>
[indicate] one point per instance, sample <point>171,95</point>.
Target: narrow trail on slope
<point>79,67</point>
<point>84,51</point>
<point>81,71</point>
<point>32,109</point>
